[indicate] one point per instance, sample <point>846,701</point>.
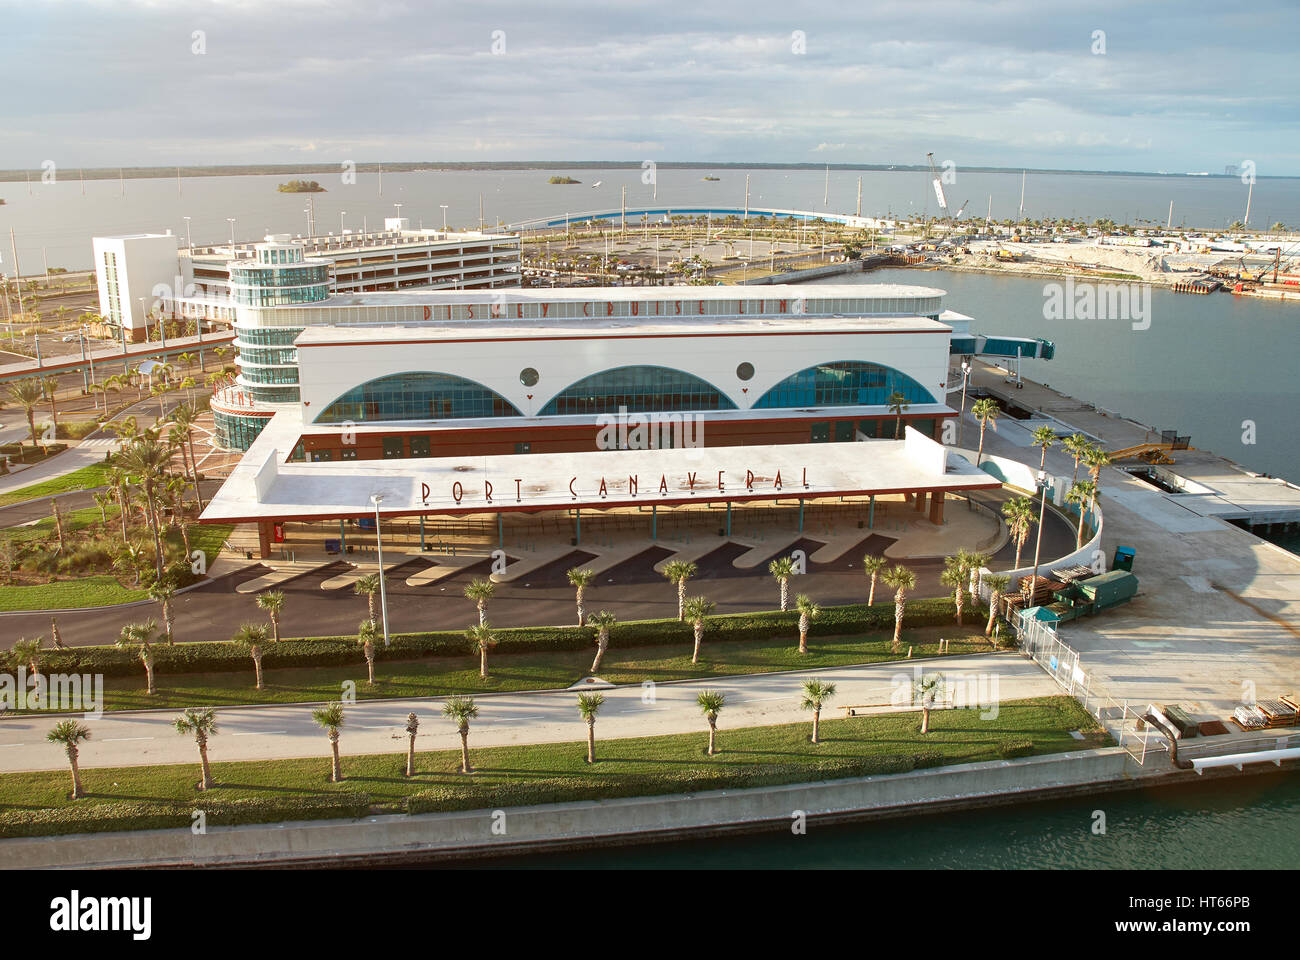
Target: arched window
<point>847,383</point>
<point>417,396</point>
<point>641,389</point>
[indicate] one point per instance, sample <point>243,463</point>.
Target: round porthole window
<point>528,377</point>
<point>745,371</point>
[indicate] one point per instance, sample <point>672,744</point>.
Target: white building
<point>133,272</point>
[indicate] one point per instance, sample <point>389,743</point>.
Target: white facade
<point>136,267</point>
<point>497,353</point>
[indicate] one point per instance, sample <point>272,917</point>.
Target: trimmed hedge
<point>156,815</point>
<point>223,656</point>
<point>471,795</point>
<point>1009,749</point>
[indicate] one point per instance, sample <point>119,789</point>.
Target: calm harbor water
<point>1205,367</point>
<point>56,221</point>
<point>1247,823</point>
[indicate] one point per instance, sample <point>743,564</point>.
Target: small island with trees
<point>301,186</point>
<point>558,179</point>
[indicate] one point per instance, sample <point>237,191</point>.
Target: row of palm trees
<point>1084,452</point>
<point>201,723</point>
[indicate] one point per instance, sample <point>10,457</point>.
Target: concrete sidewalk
<point>377,726</point>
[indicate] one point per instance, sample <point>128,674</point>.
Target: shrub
<point>334,651</point>
<point>1015,748</point>
<point>76,429</point>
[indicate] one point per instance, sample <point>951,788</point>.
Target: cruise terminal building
<point>624,400</point>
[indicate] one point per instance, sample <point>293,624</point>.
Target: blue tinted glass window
<point>640,390</point>
<point>850,383</point>
<point>417,396</point>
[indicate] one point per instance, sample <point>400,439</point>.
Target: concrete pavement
<point>279,732</point>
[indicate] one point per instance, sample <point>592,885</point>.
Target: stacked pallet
<point>1077,572</point>
<point>1042,592</point>
<point>1278,713</point>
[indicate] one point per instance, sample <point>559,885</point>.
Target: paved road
<point>279,732</point>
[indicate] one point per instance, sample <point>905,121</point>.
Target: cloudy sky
<point>1182,86</point>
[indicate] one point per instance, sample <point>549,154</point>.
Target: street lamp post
<point>961,420</point>
<point>1041,480</point>
<point>231,221</point>
<point>189,245</point>
<point>444,217</point>
<point>376,499</point>
<point>342,214</point>
<point>90,357</point>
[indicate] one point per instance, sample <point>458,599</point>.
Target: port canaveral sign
<point>505,491</point>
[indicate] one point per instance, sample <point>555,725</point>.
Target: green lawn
<point>73,521</point>
<point>751,756</point>
<point>100,590</point>
<point>95,475</point>
<point>440,676</point>
<point>97,590</point>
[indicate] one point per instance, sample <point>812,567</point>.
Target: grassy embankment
<point>246,792</point>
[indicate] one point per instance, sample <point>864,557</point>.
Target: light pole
<point>1041,479</point>
<point>90,357</point>
<point>444,217</point>
<point>189,246</point>
<point>961,420</point>
<point>231,221</point>
<point>342,214</point>
<point>377,499</point>
<point>144,319</point>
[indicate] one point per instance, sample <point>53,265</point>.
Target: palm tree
<point>147,459</point>
<point>460,711</point>
<point>588,706</point>
<point>1020,520</point>
<point>873,564</point>
<point>696,610</point>
<point>480,590</point>
<point>955,577</point>
<point>1076,445</point>
<point>782,568</point>
<point>897,404</point>
<point>369,587</point>
<point>1043,437</point>
<point>927,689</point>
<point>330,719</point>
<point>27,394</point>
<point>986,411</point>
<point>678,572</point>
<point>580,579</point>
<point>809,610</point>
<point>1095,458</point>
<point>48,386</point>
<point>815,695</point>
<point>998,583</point>
<point>103,501</point>
<point>250,638</point>
<point>603,622</point>
<point>975,562</point>
<point>272,601</point>
<point>480,641</point>
<point>163,592</point>
<point>711,703</point>
<point>141,637</point>
<point>70,733</point>
<point>367,634</point>
<point>1080,493</point>
<point>412,728</point>
<point>184,420</point>
<point>202,722</point>
<point>902,580</point>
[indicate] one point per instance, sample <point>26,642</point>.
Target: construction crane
<point>937,182</point>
